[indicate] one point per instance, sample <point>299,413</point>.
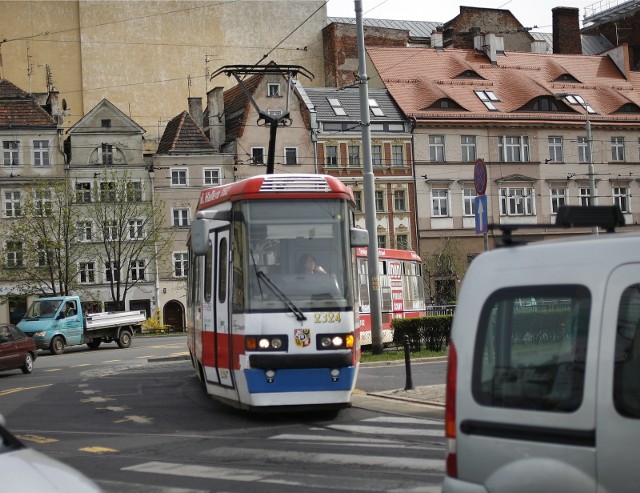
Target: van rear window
<point>531,348</point>
<point>626,388</point>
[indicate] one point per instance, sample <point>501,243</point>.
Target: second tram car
<point>264,332</point>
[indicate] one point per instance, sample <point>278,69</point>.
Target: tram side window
<point>208,275</point>
<point>238,267</point>
<point>223,267</point>
<point>363,281</point>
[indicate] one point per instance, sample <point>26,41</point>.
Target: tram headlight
<point>335,341</point>
<point>276,343</point>
<point>264,343</point>
<point>325,342</point>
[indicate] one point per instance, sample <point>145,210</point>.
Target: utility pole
<point>369,190</point>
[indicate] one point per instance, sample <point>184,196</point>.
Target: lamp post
<point>592,184</point>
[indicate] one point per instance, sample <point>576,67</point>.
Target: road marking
<point>53,369</point>
<point>88,392</point>
<point>404,420</point>
<point>81,365</point>
<point>380,430</point>
<point>20,389</point>
<point>135,419</point>
<point>97,399</point>
<point>98,450</point>
<point>360,442</point>
<point>116,409</point>
<point>36,439</point>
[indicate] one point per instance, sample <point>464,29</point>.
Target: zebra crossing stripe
<point>381,430</point>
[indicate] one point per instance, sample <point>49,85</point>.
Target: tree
<point>443,269</point>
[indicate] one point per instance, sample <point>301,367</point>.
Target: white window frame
<point>43,255</point>
<point>375,108</point>
<point>82,228</point>
<point>105,154</point>
<point>402,241</point>
<point>514,148</point>
<point>617,149</point>
<point>291,152</point>
<point>261,156</point>
<point>397,155</point>
<point>84,191</point>
<point>273,90</point>
<point>584,196</point>
<point>376,155</point>
<point>87,272</point>
<point>382,241</point>
<point>440,205</point>
<point>400,200</point>
<point>136,229</point>
<point>180,264</point>
<point>111,272</point>
<point>134,191</point>
<point>468,201</point>
<point>179,177</point>
<point>12,203</point>
<point>488,98</point>
<point>14,257</point>
<point>43,202</point>
<point>621,198</point>
<point>211,176</point>
<point>331,159</point>
<point>137,270</point>
<point>354,158</point>
<point>380,201</point>
<point>336,106</point>
<point>583,149</point>
<point>357,197</point>
<point>556,154</point>
<point>517,201</point>
<point>180,217</point>
<point>558,198</point>
<point>437,148</point>
<point>468,148</point>
<point>110,230</point>
<point>11,153</point>
<point>108,191</point>
<point>40,152</point>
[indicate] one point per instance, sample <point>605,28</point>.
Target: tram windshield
<point>296,255</point>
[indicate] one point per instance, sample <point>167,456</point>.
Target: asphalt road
<point>136,420</point>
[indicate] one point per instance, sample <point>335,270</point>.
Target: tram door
<point>223,357</point>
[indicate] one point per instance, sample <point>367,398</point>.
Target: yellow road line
<point>20,389</point>
<point>36,439</point>
<point>98,450</point>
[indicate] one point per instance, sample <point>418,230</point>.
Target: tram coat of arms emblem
<point>302,337</point>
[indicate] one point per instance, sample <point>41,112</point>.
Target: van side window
<point>626,389</point>
<point>531,348</point>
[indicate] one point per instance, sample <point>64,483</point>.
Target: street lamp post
<point>592,183</point>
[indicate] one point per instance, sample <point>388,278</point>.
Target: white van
<point>543,388</point>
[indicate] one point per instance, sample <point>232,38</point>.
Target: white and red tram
<point>263,333</point>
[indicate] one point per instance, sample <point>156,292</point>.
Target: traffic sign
<point>482,223</point>
<point>480,177</point>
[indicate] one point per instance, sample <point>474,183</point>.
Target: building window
<point>257,156</point>
<point>13,254</point>
<point>136,229</point>
<point>584,196</point>
<point>357,197</point>
<point>180,264</point>
<point>136,268</point>
<point>178,177</point>
<point>397,155</point>
<point>375,108</point>
<point>84,230</point>
<point>468,147</point>
<point>108,191</point>
<point>87,272</point>
<point>399,200</point>
<point>110,231</point>
<point>181,217</point>
<point>331,155</point>
<point>111,272</point>
<point>517,202</point>
<point>583,150</point>
<point>382,241</point>
<point>43,203</point>
<point>134,191</point>
<point>83,192</point>
<point>10,153</point>
<point>617,148</point>
<point>402,242</point>
<point>513,148</point>
<point>440,202</point>
<point>376,155</point>
<point>212,176</point>
<point>290,155</point>
<point>621,198</point>
<point>43,254</point>
<point>379,197</point>
<point>41,153</point>
<point>558,198</point>
<point>436,148</point>
<point>555,150</point>
<point>468,201</point>
<point>106,154</point>
<point>12,204</point>
<point>337,107</point>
<point>273,90</point>
<point>488,98</point>
<point>354,155</point>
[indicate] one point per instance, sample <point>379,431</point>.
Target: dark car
<point>17,350</point>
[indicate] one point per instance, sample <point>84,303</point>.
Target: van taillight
<point>450,413</point>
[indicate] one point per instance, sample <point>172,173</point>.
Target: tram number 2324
<point>326,317</point>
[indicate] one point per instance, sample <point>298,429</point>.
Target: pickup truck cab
<point>60,321</point>
<point>543,385</point>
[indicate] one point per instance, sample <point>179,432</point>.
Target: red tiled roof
<point>182,134</point>
<point>19,110</point>
<point>236,106</point>
<point>418,77</point>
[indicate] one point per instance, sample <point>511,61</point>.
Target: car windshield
<point>43,309</point>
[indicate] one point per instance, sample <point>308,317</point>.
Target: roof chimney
<point>217,120</point>
<point>538,46</point>
<point>437,40</point>
<point>195,110</point>
<point>566,31</point>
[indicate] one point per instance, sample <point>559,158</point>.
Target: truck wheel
<point>94,343</point>
<point>57,345</point>
<point>28,364</point>
<point>124,339</point>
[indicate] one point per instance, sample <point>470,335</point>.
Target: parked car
<point>24,469</point>
<point>17,350</point>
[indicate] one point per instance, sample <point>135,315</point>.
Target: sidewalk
<point>433,395</point>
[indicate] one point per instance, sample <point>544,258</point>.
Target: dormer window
<point>578,100</point>
<point>273,90</point>
<point>629,108</point>
<point>445,104</point>
<point>337,107</point>
<point>468,74</point>
<point>566,78</point>
<point>544,104</point>
<point>488,98</point>
<point>375,108</point>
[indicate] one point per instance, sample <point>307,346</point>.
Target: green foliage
<point>433,332</point>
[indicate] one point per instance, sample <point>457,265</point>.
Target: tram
<point>401,290</point>
<point>263,332</point>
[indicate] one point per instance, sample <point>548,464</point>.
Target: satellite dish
<point>64,104</point>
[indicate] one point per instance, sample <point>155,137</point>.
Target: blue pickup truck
<point>60,321</point>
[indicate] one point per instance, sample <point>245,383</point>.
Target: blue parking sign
<point>480,206</point>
